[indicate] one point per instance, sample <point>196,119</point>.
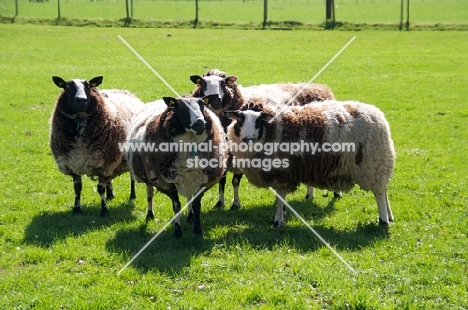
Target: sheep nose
<point>80,103</point>
<point>214,101</point>
<point>198,127</point>
<point>247,140</point>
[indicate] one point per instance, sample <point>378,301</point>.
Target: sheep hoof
<point>308,197</point>
<point>337,195</point>
<point>234,207</point>
<point>276,224</point>
<point>77,210</point>
<point>219,205</point>
<point>104,212</point>
<point>197,231</point>
<point>132,196</point>
<point>177,231</point>
<point>190,217</point>
<point>383,223</point>
<point>110,196</point>
<point>149,216</point>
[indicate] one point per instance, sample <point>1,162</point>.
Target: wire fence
<point>245,11</point>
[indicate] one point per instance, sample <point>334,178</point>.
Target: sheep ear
<point>196,79</point>
<point>169,101</point>
<point>267,117</point>
<point>95,82</point>
<point>231,114</point>
<point>59,81</point>
<point>230,80</point>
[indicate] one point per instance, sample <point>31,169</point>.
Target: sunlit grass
<point>51,259</point>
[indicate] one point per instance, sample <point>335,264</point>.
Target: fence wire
<point>243,11</point>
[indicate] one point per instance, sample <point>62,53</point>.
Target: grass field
<point>51,259</point>
<point>237,13</point>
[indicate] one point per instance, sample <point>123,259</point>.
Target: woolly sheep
<point>87,126</point>
<point>369,165</point>
<point>174,170</point>
<point>223,94</point>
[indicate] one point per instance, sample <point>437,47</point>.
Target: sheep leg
<point>385,212</point>
<point>196,204</point>
<point>109,191</point>
<point>77,186</point>
<point>190,213</point>
<point>280,212</point>
<point>389,210</point>
<point>149,196</point>
<point>172,193</point>
<point>337,195</point>
<point>176,208</point>
<point>101,189</point>
<point>310,193</point>
<point>132,188</point>
<point>236,204</point>
<point>222,185</point>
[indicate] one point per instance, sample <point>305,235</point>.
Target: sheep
<point>87,126</point>
<point>370,164</point>
<point>224,94</point>
<point>177,169</point>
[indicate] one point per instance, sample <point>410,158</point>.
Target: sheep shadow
<point>253,226</point>
<point>48,227</point>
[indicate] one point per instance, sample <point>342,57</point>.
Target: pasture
<point>51,259</point>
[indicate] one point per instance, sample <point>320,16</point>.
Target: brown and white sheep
<point>369,164</point>
<point>164,126</point>
<point>87,126</point>
<point>224,94</point>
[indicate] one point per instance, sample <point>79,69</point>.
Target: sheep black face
<point>249,124</point>
<point>189,113</point>
<point>215,89</point>
<point>77,92</point>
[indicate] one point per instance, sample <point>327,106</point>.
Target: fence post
<point>401,15</point>
<point>407,15</point>
<point>196,15</point>
<point>329,14</point>
<point>58,10</point>
<point>16,7</point>
<point>265,13</point>
<point>127,20</point>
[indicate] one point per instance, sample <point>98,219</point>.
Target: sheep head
<point>249,124</point>
<point>77,93</point>
<point>217,89</point>
<point>188,112</point>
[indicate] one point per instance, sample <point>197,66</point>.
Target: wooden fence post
<point>58,10</point>
<point>407,15</point>
<point>196,15</point>
<point>329,14</point>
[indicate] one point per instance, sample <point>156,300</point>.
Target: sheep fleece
<point>370,165</point>
<point>88,144</point>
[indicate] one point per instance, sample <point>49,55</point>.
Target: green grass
<point>282,14</point>
<point>52,259</point>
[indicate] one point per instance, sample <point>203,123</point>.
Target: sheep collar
<point>80,124</point>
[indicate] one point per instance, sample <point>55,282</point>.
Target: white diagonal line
<point>315,76</point>
<point>313,231</point>
<point>161,230</point>
<point>149,66</point>
<point>156,73</point>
